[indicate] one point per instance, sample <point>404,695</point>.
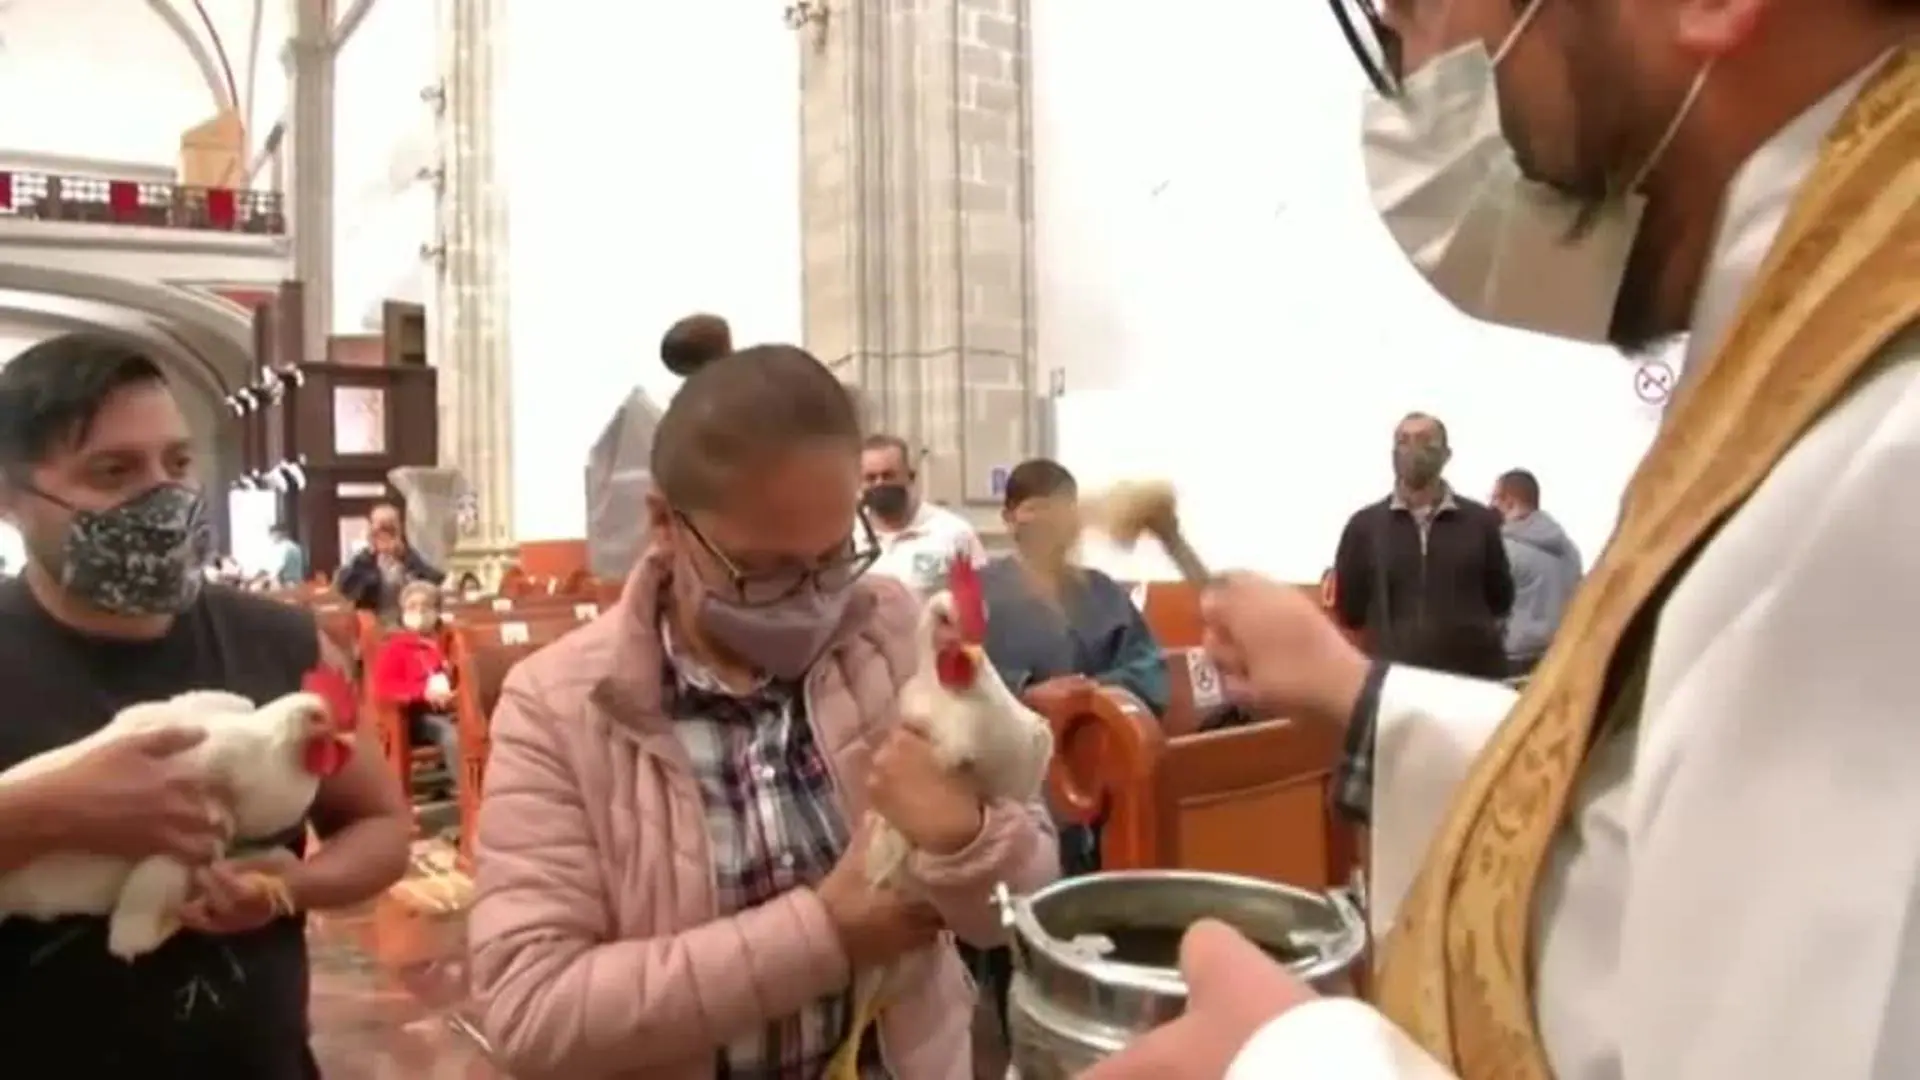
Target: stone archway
<point>216,333</point>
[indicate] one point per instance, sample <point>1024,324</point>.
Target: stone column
<point>917,227</point>
<point>308,60</point>
<point>469,310</point>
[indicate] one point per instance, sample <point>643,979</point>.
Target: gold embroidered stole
<point>1841,283</point>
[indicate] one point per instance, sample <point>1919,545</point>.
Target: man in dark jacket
<point>1423,573</point>
<point>1546,568</point>
<point>373,578</point>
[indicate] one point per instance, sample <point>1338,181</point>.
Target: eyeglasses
<point>1374,43</point>
<point>763,588</point>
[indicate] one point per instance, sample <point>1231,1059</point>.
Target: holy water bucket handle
<point>1003,903</point>
<point>1348,904</point>
<point>1009,907</point>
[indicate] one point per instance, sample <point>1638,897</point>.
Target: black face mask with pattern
<point>142,557</point>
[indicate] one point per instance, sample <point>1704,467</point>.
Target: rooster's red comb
<point>334,689</point>
<point>969,600</point>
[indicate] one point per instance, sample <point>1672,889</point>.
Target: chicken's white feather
<point>984,728</point>
<point>253,753</point>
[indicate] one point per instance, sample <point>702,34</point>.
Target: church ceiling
<point>158,66</point>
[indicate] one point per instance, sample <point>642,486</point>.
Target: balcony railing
<point>91,199</point>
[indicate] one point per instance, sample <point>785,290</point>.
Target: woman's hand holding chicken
<point>937,809</point>
<point>877,924</point>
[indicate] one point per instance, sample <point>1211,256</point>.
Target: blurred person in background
<point>374,577</point>
<point>1546,568</point>
<point>918,540</point>
<point>286,559</point>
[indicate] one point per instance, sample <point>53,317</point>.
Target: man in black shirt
<point>1423,572</point>
<point>97,472</point>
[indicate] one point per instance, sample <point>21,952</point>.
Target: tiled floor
<point>371,1021</point>
<point>388,993</point>
<point>376,1017</point>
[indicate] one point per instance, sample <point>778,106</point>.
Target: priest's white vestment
<point>1735,894</point>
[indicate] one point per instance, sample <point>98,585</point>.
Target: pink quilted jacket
<point>596,948</point>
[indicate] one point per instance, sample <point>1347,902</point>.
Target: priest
<point>1691,849</point>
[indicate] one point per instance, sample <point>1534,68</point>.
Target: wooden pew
<point>405,760</point>
<point>1172,611</point>
<point>1195,693</point>
<point>1249,800</point>
<point>481,655</point>
<point>493,608</point>
<point>1172,608</point>
<point>341,625</point>
<point>516,582</point>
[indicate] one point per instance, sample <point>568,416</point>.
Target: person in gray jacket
<point>1546,567</point>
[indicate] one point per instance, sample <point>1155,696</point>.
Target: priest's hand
<point>1277,650</point>
<point>1233,990</point>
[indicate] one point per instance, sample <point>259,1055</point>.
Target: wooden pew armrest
<point>1104,739</point>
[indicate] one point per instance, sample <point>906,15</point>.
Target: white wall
<point>15,338</point>
<point>255,32</point>
<point>1211,270</point>
<point>96,78</point>
<point>383,136</point>
<point>107,78</point>
<point>653,170</point>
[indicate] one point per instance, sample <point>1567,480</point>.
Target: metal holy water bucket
<point>1096,958</point>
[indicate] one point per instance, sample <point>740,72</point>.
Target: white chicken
<point>270,759</point>
<point>974,722</point>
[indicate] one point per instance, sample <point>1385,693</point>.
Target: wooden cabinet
<point>343,425</point>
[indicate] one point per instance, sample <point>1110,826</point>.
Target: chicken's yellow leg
<point>866,1009</point>
<point>277,892</point>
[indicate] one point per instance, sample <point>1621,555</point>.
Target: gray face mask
<point>142,557</point>
<point>1418,466</point>
<point>781,639</point>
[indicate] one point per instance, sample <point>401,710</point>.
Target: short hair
<point>1521,486</point>
<point>694,342</point>
<point>420,588</point>
<point>1439,425</point>
<point>741,410</point>
<point>382,509</point>
<point>51,394</point>
<point>1038,478</point>
<point>884,441</point>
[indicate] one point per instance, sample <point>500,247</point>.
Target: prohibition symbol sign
<point>1653,382</point>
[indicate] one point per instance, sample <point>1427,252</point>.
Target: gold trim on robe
<point>1840,284</point>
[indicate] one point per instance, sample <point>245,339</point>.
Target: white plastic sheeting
<point>618,480</point>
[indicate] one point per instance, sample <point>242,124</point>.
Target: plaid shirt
<point>774,824</point>
<point>1353,778</point>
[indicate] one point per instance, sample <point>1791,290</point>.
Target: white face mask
<point>415,621</point>
<point>1497,245</point>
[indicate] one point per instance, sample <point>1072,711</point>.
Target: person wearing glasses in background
<point>1630,869</point>
<point>671,850</point>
